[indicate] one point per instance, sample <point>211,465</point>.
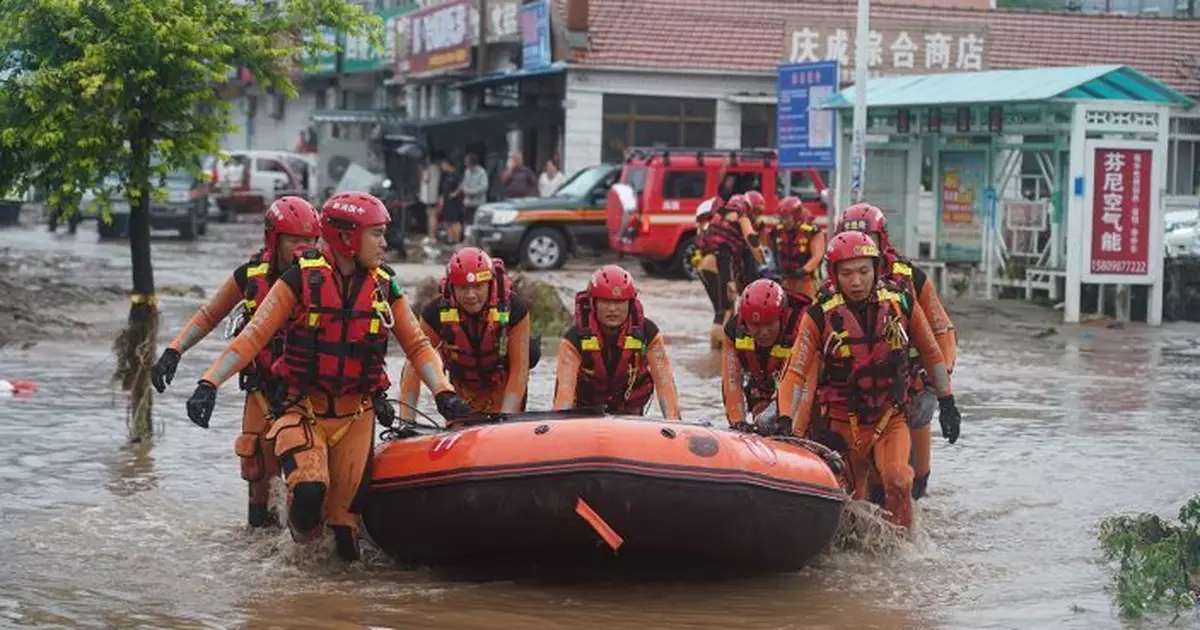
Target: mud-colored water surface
<point>1061,429</point>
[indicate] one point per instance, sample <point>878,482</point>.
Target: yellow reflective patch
<point>314,320</point>
<point>309,263</point>
<point>590,343</point>
<point>844,351</point>
<point>901,268</point>
<point>498,316</point>
<point>633,343</point>
<point>833,302</point>
<point>480,276</point>
<point>781,352</point>
<point>382,274</point>
<point>258,270</point>
<point>744,343</point>
<point>251,305</point>
<point>374,326</point>
<point>448,316</point>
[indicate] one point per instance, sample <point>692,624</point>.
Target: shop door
<point>886,186</point>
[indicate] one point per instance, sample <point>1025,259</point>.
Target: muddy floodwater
<point>1060,430</point>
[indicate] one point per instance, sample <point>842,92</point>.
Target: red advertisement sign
<point>440,37</point>
<point>1121,212</point>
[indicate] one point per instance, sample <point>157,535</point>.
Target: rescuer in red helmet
<point>337,308</point>
<point>852,353</point>
<point>727,242</point>
<point>291,224</point>
<point>799,247</point>
<point>614,355</point>
<point>758,342</point>
<point>481,330</point>
<point>898,270</point>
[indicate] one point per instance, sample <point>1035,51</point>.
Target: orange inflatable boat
<point>548,488</point>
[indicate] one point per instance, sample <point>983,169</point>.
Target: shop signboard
<point>1116,244</point>
<point>535,35</point>
<point>894,46</point>
<point>961,211</point>
<point>806,137</point>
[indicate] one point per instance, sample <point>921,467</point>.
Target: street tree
<point>110,95</point>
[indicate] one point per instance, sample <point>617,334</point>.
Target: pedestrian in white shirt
<point>550,179</point>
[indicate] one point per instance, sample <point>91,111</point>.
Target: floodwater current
<point>1058,433</point>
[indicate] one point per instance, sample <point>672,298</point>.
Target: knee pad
<point>919,486</point>
<point>346,542</point>
<point>305,511</point>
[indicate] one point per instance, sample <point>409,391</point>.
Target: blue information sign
<point>535,35</point>
<point>806,138</point>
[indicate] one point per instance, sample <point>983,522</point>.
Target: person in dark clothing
<point>519,180</point>
<point>451,192</point>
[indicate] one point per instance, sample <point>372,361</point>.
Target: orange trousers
<point>324,457</point>
<point>258,462</point>
<point>888,454</point>
<point>805,286</point>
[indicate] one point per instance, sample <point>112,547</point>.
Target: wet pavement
<point>1058,433</point>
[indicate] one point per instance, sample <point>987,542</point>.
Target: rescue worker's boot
<point>921,450</point>
<point>259,513</point>
<point>346,541</point>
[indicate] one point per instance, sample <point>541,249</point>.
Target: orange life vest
<point>762,367</point>
<point>792,249</point>
<point>258,283</point>
<point>865,371</point>
<point>723,232</point>
<point>337,346</point>
<point>626,389</point>
<point>475,351</point>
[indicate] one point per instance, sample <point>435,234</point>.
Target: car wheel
<point>544,249</point>
<point>187,231</point>
<point>681,263</point>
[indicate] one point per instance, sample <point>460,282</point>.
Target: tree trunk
<point>135,347</point>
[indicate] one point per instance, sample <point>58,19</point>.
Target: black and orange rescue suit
<point>485,345</point>
<point>799,247</point>
<point>336,308</point>
<point>291,223</point>
<point>724,244</point>
<point>758,342</point>
<point>916,283</point>
<point>616,366</point>
<point>852,355</point>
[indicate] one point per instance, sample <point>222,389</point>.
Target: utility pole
<point>481,57</point>
<point>858,150</point>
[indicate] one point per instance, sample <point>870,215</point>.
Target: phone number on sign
<point>1119,266</point>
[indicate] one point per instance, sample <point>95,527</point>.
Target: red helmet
<point>350,213</point>
<point>757,202</point>
<point>793,207</point>
<point>737,203</point>
<point>864,217</point>
<point>611,282</point>
<point>847,246</point>
<point>761,303</point>
<point>469,265</point>
<point>292,216</point>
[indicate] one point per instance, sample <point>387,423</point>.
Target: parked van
<point>250,181</point>
<point>657,222</point>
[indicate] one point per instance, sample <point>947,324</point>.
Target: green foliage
<point>99,87</point>
<point>1157,562</point>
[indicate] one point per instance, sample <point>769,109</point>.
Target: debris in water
<point>1157,561</point>
<point>16,388</point>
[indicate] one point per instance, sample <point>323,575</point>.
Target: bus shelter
<point>1042,180</point>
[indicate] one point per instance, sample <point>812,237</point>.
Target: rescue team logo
<point>443,446</point>
<point>756,318</point>
<point>616,291</point>
<point>856,225</point>
<point>352,208</point>
<point>866,250</point>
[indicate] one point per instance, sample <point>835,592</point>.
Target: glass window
<point>582,183</point>
<point>647,106</point>
<point>618,104</point>
<point>636,178</point>
<point>616,139</point>
<point>646,134</point>
<point>698,135</point>
<point>656,121</point>
<point>758,126</point>
<point>270,166</point>
<point>684,184</point>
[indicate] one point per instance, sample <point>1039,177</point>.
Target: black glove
<point>949,418</point>
<point>385,413</point>
<point>774,425</point>
<point>831,439</point>
<point>164,369</point>
<point>451,406</point>
<point>200,405</point>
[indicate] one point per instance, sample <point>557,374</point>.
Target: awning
<point>359,116</point>
<point>752,99</point>
<point>498,78</point>
<point>460,130</point>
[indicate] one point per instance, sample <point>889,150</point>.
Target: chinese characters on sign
<point>439,38</point>
<point>892,47</point>
<point>1120,212</point>
<point>805,135</point>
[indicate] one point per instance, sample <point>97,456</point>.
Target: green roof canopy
<point>1114,83</point>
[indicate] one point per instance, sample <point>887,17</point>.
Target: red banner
<point>1121,212</point>
<point>440,37</point>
